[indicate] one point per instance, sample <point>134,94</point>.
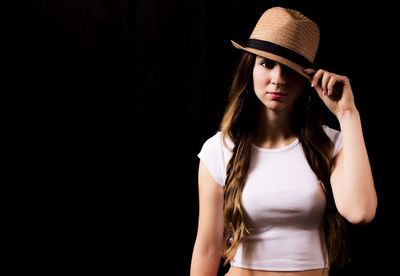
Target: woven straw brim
<point>273,57</point>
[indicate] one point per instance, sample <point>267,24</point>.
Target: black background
<point>108,103</point>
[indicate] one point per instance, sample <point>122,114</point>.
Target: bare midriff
<point>236,271</point>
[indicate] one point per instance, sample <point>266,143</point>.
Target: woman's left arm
<point>352,181</point>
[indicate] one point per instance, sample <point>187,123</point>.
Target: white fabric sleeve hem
<point>212,156</point>
<point>336,138</point>
<point>213,174</point>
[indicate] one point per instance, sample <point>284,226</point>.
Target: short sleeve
<point>336,138</point>
<point>212,156</point>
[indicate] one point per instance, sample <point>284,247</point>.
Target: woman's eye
<point>268,64</point>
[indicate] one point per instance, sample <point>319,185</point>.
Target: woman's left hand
<point>334,90</point>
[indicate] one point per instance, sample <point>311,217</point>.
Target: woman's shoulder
<point>212,141</point>
<point>217,140</point>
<point>214,137</point>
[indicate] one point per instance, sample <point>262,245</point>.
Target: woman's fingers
<point>324,83</point>
<point>331,84</point>
<point>322,80</point>
<point>334,90</point>
<point>316,78</point>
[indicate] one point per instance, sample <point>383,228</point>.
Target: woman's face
<point>276,85</point>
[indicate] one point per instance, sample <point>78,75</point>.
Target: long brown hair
<point>238,125</point>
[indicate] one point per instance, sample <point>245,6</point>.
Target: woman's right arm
<point>207,251</point>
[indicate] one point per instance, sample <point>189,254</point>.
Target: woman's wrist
<point>348,114</point>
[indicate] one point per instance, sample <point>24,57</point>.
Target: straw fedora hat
<point>285,36</point>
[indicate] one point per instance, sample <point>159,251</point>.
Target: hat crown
<point>290,29</point>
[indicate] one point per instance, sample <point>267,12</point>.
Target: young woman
<point>275,183</point>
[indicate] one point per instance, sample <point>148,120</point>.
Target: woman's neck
<point>274,130</point>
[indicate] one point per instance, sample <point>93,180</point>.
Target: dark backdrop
<point>108,103</point>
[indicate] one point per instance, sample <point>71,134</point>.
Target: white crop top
<point>284,205</point>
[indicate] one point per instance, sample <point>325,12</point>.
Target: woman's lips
<point>277,95</point>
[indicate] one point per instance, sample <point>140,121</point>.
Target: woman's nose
<point>277,75</point>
